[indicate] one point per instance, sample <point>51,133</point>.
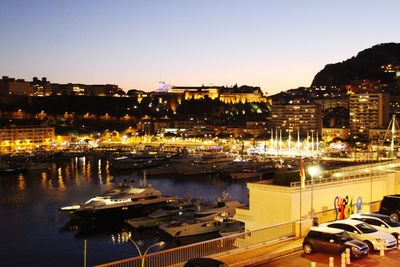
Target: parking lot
<point>391,258</point>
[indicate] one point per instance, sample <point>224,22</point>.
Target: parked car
<point>204,262</point>
<point>366,233</point>
<point>333,241</point>
<point>380,222</point>
<point>390,205</point>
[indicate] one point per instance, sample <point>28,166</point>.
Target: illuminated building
<point>11,86</point>
<point>25,138</point>
<point>368,111</point>
<point>328,134</point>
<point>243,94</point>
<point>381,136</point>
<point>330,103</point>
<point>293,117</point>
<point>232,95</point>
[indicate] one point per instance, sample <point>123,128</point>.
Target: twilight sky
<point>277,45</point>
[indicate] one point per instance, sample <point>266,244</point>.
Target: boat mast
<point>393,133</point>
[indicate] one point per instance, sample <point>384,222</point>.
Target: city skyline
<point>276,46</point>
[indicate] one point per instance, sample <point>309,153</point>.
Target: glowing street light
<point>313,171</point>
<point>127,236</point>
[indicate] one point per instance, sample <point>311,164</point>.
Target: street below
<point>391,258</point>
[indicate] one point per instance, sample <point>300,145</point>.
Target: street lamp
<point>158,244</point>
<point>127,236</point>
<point>313,170</point>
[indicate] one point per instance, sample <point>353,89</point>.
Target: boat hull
<point>189,229</point>
<point>118,213</point>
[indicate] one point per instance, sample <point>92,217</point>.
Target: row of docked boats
<point>192,218</point>
<point>144,207</point>
<point>21,166</point>
<point>193,165</point>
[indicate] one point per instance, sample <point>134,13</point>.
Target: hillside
<point>366,65</point>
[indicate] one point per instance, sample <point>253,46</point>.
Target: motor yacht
<point>207,220</point>
<point>121,203</point>
<point>171,212</point>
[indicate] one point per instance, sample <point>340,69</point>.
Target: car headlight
<point>354,249</point>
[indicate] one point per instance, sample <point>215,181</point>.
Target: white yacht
<point>121,203</point>
<point>172,212</point>
<point>208,220</point>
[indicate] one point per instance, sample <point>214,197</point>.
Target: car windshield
<point>366,228</point>
<point>391,222</point>
<point>343,237</point>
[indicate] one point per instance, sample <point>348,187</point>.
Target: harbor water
<point>34,233</point>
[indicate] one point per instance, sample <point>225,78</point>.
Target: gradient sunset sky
<point>277,45</point>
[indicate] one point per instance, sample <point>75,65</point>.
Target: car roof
<point>326,229</point>
<point>204,262</point>
<point>370,215</point>
<point>392,196</point>
<point>346,221</point>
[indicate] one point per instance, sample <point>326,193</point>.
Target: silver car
<point>366,233</point>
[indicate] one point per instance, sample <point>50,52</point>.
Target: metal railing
<point>365,166</point>
<point>339,179</point>
<point>339,175</point>
<point>219,246</point>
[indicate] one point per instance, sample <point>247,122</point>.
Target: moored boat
<point>121,203</point>
<point>208,220</point>
<point>232,227</point>
<point>171,212</point>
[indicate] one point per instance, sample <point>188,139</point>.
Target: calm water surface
<point>34,233</point>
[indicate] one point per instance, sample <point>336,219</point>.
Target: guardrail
<point>364,166</point>
<point>219,246</point>
<point>339,175</point>
<point>339,178</point>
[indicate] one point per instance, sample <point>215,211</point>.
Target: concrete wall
<point>271,204</point>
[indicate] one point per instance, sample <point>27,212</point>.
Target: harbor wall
<point>272,204</point>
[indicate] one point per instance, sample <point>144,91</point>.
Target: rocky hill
<point>366,65</point>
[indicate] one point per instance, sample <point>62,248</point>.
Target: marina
<point>32,223</point>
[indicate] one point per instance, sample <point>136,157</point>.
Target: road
<point>391,258</point>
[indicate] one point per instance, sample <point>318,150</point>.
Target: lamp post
<point>127,236</point>
<point>158,244</point>
<point>313,170</point>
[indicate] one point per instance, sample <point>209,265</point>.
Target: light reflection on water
<point>21,182</point>
<point>44,237</point>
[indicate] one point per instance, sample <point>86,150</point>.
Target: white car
<point>366,233</point>
<point>379,222</point>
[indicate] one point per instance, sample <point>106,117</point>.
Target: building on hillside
<point>368,111</point>
<point>85,89</point>
<point>242,94</point>
<point>11,86</point>
<point>17,138</point>
<point>41,87</point>
<point>296,118</point>
<point>233,95</point>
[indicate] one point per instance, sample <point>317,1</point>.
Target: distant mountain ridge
<point>366,65</point>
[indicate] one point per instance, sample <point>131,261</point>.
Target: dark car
<point>333,241</point>
<point>204,262</point>
<point>390,205</point>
